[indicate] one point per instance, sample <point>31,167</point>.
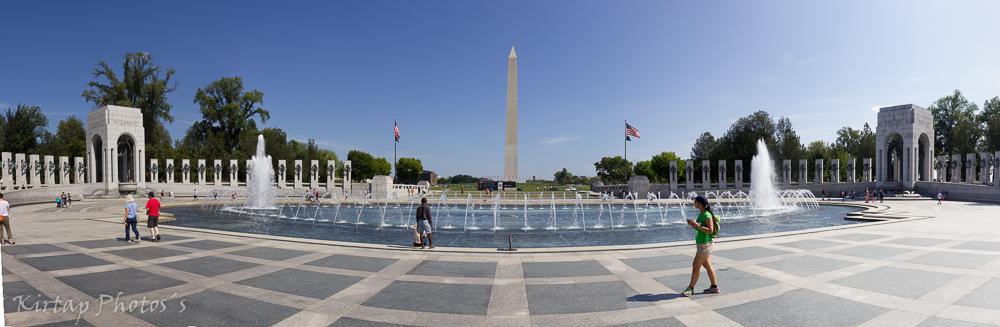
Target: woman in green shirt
<point>706,232</point>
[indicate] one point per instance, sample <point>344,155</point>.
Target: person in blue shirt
<point>131,218</point>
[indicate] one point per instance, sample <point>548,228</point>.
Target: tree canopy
<point>142,85</point>
<point>228,112</point>
<point>409,169</point>
<point>365,166</point>
<point>23,128</point>
<point>613,170</point>
<point>661,166</point>
<point>948,112</point>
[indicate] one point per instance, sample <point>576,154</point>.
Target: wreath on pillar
<point>802,168</point>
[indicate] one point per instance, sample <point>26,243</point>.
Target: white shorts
<point>423,226</point>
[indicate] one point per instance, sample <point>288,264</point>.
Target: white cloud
<point>790,60</point>
<point>4,105</point>
<point>560,140</point>
<point>876,108</point>
<point>771,78</point>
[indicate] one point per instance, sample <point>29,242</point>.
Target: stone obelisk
<point>510,152</point>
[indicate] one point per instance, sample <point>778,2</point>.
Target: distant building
<point>429,176</point>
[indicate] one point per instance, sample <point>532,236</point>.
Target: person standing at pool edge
<point>153,217</point>
<point>425,224</point>
<point>707,230</point>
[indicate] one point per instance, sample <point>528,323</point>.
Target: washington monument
<point>510,153</point>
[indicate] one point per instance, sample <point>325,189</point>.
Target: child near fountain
<point>707,226</point>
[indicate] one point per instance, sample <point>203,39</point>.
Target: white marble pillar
<point>64,170</point>
<point>970,168</point>
<point>90,166</point>
<point>186,171</point>
<point>282,173</point>
<point>941,167</point>
<point>36,171</point>
<point>738,173</point>
<point>233,170</point>
<point>819,171</point>
<point>169,171</point>
<point>706,175</point>
<point>689,173</point>
<point>21,170</point>
<point>246,172</point>
<point>673,175</point>
<point>803,172</point>
<point>80,169</point>
<point>956,169</point>
<point>314,174</point>
<point>984,168</point>
<point>722,175</point>
<point>331,171</point>
<point>7,169</point>
<point>786,172</point>
<point>347,177</point>
<point>49,166</point>
<point>851,166</point>
<point>217,172</point>
<point>866,170</point>
<point>298,173</point>
<point>834,171</point>
<point>202,171</point>
<point>154,171</point>
<point>996,169</point>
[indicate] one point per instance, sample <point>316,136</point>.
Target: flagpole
<point>626,153</point>
<point>394,141</point>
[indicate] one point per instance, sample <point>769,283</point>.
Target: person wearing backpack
<point>708,229</point>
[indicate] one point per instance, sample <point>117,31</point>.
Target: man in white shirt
<point>4,209</point>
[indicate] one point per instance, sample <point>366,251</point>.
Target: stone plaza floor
<point>941,268</point>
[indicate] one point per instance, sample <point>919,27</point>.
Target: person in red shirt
<point>152,220</point>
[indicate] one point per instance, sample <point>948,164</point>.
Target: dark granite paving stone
<point>214,308</point>
<point>872,251</point>
<point>748,253</point>
<point>353,262</point>
<point>807,265</point>
<point>942,322</point>
<point>898,281</point>
<point>956,260</point>
<point>303,283</point>
<point>858,237</point>
<point>128,281</point>
<point>917,241</point>
<point>664,262</point>
<point>433,297</point>
<point>209,266</point>
<point>274,254</point>
<point>455,269</point>
<point>68,323</point>
<point>664,322</point>
<point>31,249</point>
<point>986,296</point>
<point>979,245</point>
<point>582,297</point>
<point>801,308</point>
<point>21,296</point>
<point>207,245</point>
<point>7,272</point>
<point>351,322</point>
<point>730,281</point>
<point>810,244</point>
<point>563,269</point>
<point>61,262</point>
<point>172,237</point>
<point>146,253</point>
<point>96,244</point>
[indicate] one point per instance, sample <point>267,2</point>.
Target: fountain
<point>260,195</point>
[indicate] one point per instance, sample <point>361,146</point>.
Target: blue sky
<point>339,72</point>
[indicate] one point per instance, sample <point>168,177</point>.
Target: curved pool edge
<point>649,246</point>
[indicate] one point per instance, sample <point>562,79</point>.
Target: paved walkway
<point>938,271</point>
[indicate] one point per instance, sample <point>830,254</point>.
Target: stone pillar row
<point>201,169</point>
<point>784,167</point>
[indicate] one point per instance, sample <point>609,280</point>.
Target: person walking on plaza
<point>69,200</point>
<point>843,196</point>
<point>196,194</point>
<point>866,195</point>
<point>131,218</point>
<point>708,228</point>
<point>5,220</point>
<point>939,197</point>
<point>153,217</point>
<point>881,196</point>
<point>425,224</point>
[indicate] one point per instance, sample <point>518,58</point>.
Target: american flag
<point>629,130</point>
<point>396,130</point>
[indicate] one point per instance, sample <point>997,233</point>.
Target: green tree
<point>563,177</point>
<point>142,86</point>
<point>964,136</point>
<point>72,135</point>
<point>661,166</point>
<point>230,111</point>
<point>23,129</point>
<point>613,170</point>
<point>703,146</point>
<point>740,141</point>
<point>948,111</point>
<point>409,169</point>
<point>989,119</point>
<point>462,179</point>
<point>364,166</point>
<point>645,168</point>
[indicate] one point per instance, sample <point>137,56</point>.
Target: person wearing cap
<point>153,217</point>
<point>131,218</point>
<point>707,227</point>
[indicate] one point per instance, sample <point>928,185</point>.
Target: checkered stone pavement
<point>70,268</point>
